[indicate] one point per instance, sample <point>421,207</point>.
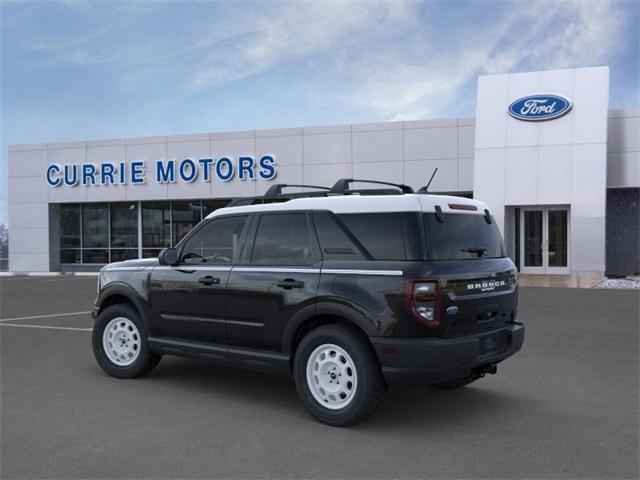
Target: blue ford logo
<point>536,108</point>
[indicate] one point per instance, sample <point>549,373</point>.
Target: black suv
<point>349,291</point>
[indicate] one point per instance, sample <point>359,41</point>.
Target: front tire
<point>337,375</point>
<point>119,343</point>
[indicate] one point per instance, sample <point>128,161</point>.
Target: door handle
<point>289,283</point>
<point>209,280</point>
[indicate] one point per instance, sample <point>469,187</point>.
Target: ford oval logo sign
<point>536,108</point>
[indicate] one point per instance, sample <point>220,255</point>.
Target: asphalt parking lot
<point>566,406</point>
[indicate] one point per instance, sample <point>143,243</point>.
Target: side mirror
<point>168,256</point>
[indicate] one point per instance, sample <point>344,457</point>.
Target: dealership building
<point>559,170</point>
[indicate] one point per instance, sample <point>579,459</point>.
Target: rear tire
<point>337,375</point>
<point>119,343</point>
<point>457,383</point>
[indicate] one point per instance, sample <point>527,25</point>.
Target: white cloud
<point>391,57</point>
<point>533,36</point>
<point>295,30</point>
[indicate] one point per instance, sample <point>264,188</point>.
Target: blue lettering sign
<point>106,173</point>
<point>88,174</point>
<point>245,168</point>
<point>188,174</point>
<point>222,165</point>
<point>51,180</point>
<point>206,168</point>
<point>166,171</point>
<point>71,175</point>
<point>165,174</point>
<point>137,172</point>
<point>267,168</point>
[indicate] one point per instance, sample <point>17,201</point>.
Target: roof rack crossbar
<point>342,185</point>
<point>275,190</point>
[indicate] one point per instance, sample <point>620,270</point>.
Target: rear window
<point>461,237</point>
<point>386,236</point>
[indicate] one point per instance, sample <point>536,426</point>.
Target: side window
<point>334,241</point>
<point>215,243</point>
<point>283,239</point>
<point>380,233</point>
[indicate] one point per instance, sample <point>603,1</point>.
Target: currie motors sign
<point>537,108</point>
<point>188,170</point>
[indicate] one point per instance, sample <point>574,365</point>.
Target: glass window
<point>120,255</point>
<point>380,233</point>
<point>69,226</point>
<point>283,239</point>
<point>156,227</point>
<point>462,236</point>
<point>185,216</point>
<point>216,242</point>
<point>95,225</point>
<point>558,241</point>
<point>335,242</point>
<point>124,225</point>
<point>151,252</point>
<point>209,206</point>
<point>95,255</point>
<point>533,238</point>
<point>68,255</point>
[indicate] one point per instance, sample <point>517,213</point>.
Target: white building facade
<point>558,168</point>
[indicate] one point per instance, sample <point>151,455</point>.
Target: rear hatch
<point>477,282</point>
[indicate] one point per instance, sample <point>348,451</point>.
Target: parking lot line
<point>34,317</point>
<point>45,326</point>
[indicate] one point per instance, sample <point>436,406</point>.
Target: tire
<point>353,380</point>
<point>129,355</point>
<point>457,383</point>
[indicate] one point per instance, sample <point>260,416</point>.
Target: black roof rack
<point>342,185</point>
<point>276,189</point>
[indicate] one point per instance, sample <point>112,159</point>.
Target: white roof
<point>364,204</point>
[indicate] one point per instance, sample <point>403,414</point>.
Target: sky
<point>73,70</point>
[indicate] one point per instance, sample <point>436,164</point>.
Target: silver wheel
<point>121,341</point>
<point>331,376</point>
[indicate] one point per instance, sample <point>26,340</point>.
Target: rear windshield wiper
<point>479,251</point>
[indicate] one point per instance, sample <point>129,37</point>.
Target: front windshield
<point>462,236</point>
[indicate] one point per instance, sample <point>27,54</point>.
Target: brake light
<point>423,300</point>
<point>463,206</point>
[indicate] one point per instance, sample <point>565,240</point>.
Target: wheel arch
<point>320,314</point>
<point>121,293</point>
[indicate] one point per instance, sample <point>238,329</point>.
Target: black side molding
<point>270,362</point>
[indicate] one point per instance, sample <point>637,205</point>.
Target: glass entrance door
<point>544,240</point>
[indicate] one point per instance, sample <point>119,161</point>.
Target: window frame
<point>247,254</point>
<point>194,231</point>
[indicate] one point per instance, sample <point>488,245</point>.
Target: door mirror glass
<point>168,256</point>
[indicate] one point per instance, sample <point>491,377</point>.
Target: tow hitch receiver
<point>483,370</point>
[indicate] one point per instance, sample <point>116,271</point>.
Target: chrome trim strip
<point>194,267</point>
<point>391,273</point>
<point>275,270</point>
<point>388,273</point>
<point>124,269</point>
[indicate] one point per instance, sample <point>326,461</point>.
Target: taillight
<point>423,299</point>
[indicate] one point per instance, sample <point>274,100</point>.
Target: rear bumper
<point>415,362</point>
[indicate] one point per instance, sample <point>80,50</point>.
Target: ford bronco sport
<point>348,291</point>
